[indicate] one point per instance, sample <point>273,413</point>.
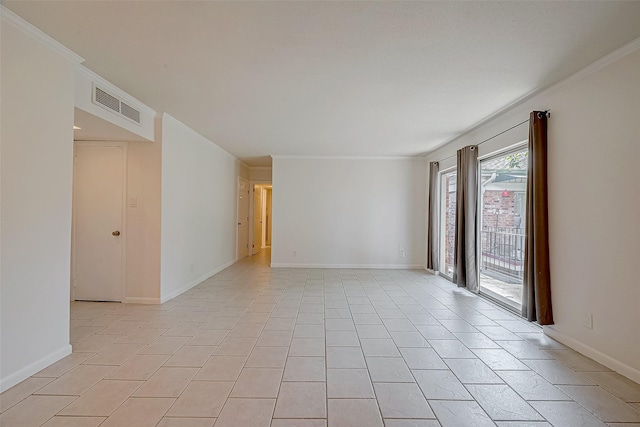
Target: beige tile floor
<point>256,346</point>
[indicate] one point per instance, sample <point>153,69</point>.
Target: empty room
<point>319,213</point>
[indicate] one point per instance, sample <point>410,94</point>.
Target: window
<point>447,222</point>
<point>503,184</point>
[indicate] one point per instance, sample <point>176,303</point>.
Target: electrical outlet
<point>587,321</point>
<point>295,253</point>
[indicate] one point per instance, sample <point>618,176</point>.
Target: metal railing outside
<point>503,251</point>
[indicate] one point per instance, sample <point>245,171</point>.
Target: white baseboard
<point>35,367</point>
<point>608,361</point>
<point>139,300</point>
<point>359,266</point>
<point>193,283</point>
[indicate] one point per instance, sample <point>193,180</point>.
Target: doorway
<point>243,218</point>
<point>99,183</point>
<point>261,217</point>
<point>258,204</point>
<point>268,216</point>
<point>503,184</point>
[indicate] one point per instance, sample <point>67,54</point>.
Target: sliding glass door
<point>503,184</point>
<point>447,222</point>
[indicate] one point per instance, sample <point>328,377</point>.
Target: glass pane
<point>447,221</point>
<point>503,188</point>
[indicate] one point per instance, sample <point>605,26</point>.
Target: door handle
<point>115,233</point>
<point>239,223</point>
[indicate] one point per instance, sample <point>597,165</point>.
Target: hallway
<point>256,346</point>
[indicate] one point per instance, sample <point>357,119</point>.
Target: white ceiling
<point>333,78</point>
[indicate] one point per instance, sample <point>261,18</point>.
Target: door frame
<point>513,148</point>
<point>123,217</point>
<point>240,178</point>
<point>442,224</point>
<point>251,208</point>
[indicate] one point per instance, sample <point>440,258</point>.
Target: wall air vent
<point>106,100</point>
<point>114,104</point>
<point>130,112</point>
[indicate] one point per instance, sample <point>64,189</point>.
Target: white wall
<point>260,174</point>
<point>244,170</point>
<point>199,184</point>
<point>594,204</point>
<point>348,212</point>
<point>144,177</point>
<point>36,175</point>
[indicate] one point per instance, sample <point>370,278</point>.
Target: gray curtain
<point>536,295</point>
<point>432,224</point>
<point>465,272</point>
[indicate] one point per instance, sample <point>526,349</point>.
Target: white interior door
<point>257,219</point>
<point>243,217</point>
<point>97,221</point>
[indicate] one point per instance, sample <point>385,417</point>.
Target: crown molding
<point>342,266</point>
<point>616,55</point>
<point>11,18</point>
<point>416,157</point>
<point>598,65</point>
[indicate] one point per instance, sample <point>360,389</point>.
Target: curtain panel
<point>536,294</point>
<point>432,224</point>
<point>465,272</point>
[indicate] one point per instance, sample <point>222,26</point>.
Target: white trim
<point>29,29</point>
<point>124,234</point>
<point>358,266</point>
<point>448,170</point>
<point>195,282</point>
<point>513,147</point>
<point>608,361</point>
<point>416,157</point>
<point>141,300</point>
<point>441,223</point>
<point>119,93</point>
<point>33,368</point>
<point>599,64</point>
<point>248,253</point>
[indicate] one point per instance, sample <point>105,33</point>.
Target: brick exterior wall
<point>498,210</point>
<point>450,221</point>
